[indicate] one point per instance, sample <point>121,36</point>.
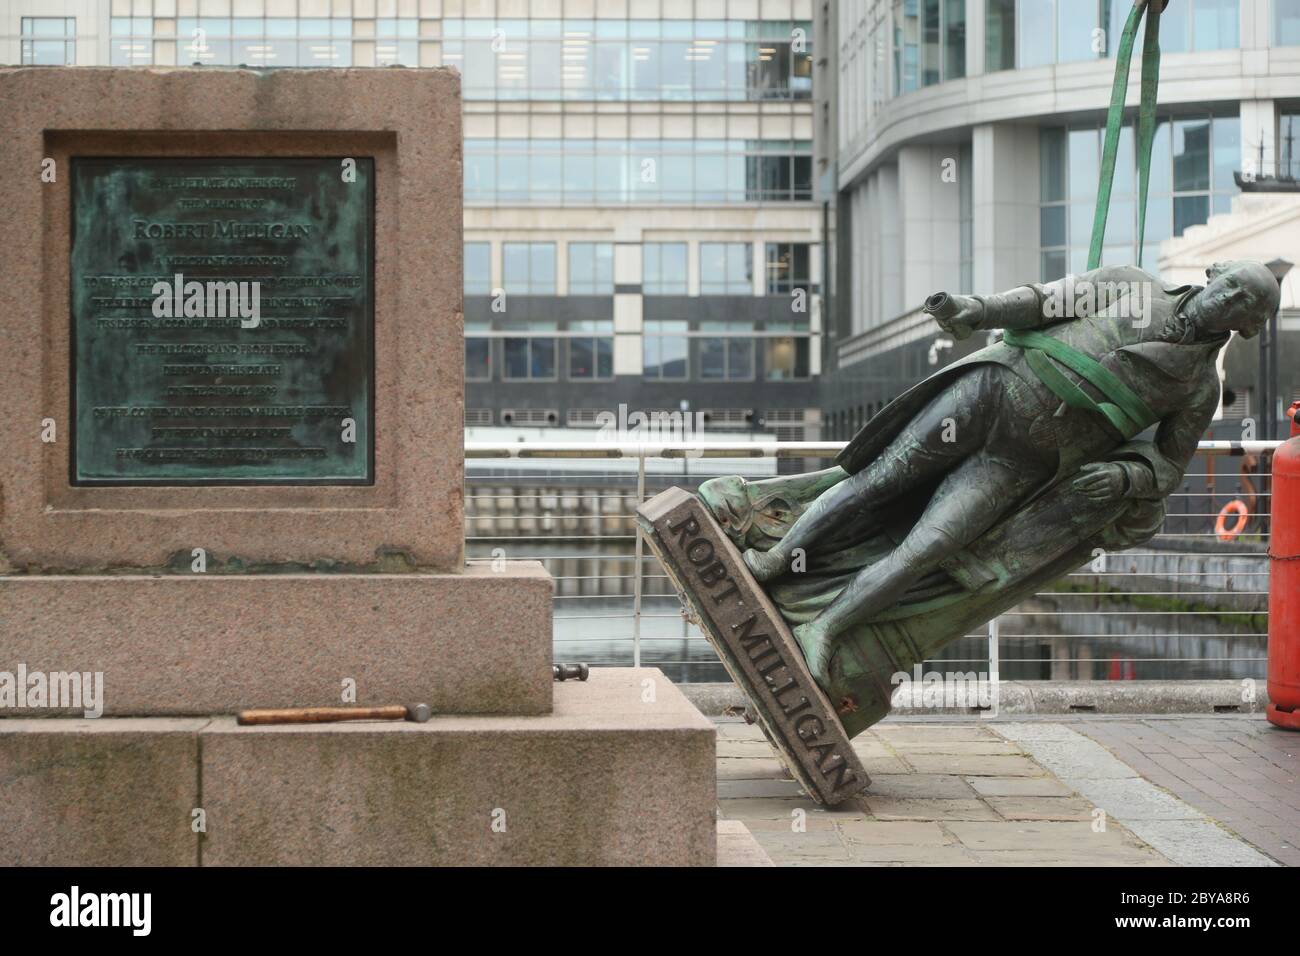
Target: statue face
<point>1240,298</point>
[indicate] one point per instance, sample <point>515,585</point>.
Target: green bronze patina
<point>184,388</point>
<point>989,480</point>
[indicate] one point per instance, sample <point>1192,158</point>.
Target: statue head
<point>1241,297</point>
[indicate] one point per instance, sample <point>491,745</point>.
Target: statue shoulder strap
<point>1123,408</point>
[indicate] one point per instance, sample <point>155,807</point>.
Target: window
<point>591,357</point>
<point>591,268</point>
<point>528,268</point>
<point>1191,25</point>
<point>1000,35</point>
<point>528,358</point>
<point>1286,22</point>
<point>929,43</point>
<point>779,59</point>
<point>776,174</point>
<point>1058,31</point>
<point>1289,164</point>
<point>260,42</point>
<point>785,358</point>
<point>630,59</point>
<point>478,355</point>
<point>663,268</point>
<point>478,268</point>
<point>664,350</point>
<point>788,267</point>
<point>396,42</point>
<point>50,41</point>
<point>132,41</point>
<point>726,268</point>
<point>728,357</point>
<point>1029,33</point>
<point>607,172</point>
<point>1192,165</point>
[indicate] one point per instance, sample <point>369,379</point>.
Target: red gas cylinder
<point>1284,583</point>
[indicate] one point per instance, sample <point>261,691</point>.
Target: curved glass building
<point>966,148</point>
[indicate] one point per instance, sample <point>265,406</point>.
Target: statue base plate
<point>755,644</point>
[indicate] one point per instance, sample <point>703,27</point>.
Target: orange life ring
<point>1237,508</point>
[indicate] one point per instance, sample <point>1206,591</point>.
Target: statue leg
<point>941,436</point>
<point>966,504</point>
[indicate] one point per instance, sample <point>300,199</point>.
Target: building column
<point>629,357</point>
<point>1005,206</point>
<point>929,199</point>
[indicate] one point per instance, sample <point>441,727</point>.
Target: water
<point>577,520</point>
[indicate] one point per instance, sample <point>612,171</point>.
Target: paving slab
<point>1178,830</point>
<point>1041,808</point>
<point>913,808</point>
<point>1018,787</point>
<point>975,765</point>
<point>751,768</point>
<point>1240,771</point>
<point>737,846</point>
<point>1038,793</point>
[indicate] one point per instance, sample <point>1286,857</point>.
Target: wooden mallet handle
<point>320,715</point>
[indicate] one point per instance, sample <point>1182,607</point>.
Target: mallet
<point>418,713</point>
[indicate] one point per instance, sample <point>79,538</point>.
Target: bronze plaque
<point>222,321</point>
<point>754,643</point>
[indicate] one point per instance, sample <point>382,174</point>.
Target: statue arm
<point>1154,469</point>
<point>1029,306</point>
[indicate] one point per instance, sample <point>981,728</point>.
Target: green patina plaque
<point>222,321</point>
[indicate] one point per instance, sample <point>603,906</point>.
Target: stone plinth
<point>408,122</point>
<point>470,643</point>
<point>621,773</point>
<point>98,792</point>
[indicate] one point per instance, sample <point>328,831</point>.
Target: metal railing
<point>1184,604</point>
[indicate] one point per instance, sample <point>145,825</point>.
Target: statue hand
<point>965,319</point>
<point>1102,481</point>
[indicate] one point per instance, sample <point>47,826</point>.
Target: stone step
<point>620,773</point>
<point>199,644</point>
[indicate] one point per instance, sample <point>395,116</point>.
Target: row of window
<point>265,41</point>
<point>1192,165</point>
<point>625,60</point>
<point>669,352</point>
<point>1027,33</point>
<point>513,59</point>
<point>612,171</point>
<point>929,36</point>
<point>726,268</point>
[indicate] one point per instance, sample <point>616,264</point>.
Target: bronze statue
<point>995,475</point>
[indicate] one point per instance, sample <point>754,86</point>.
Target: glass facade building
<point>967,153</point>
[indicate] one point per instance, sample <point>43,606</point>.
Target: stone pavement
<point>954,792</point>
<point>1240,771</point>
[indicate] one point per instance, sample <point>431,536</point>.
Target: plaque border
<point>367,480</point>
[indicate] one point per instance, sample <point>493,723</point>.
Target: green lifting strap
<point>1115,121</point>
<point>1124,409</point>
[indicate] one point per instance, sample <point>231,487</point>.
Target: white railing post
<point>636,574</point>
<point>994,664</point>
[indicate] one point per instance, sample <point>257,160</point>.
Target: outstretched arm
<point>1029,306</point>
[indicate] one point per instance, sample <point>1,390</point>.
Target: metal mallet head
<point>564,672</point>
<point>419,713</point>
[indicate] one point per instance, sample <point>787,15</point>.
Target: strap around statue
<point>1124,409</point>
